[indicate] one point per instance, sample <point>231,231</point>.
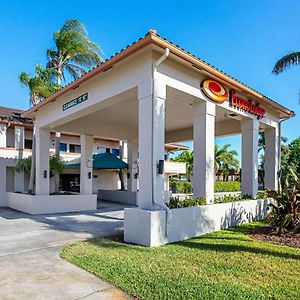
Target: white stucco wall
<point>106,179</point>
<point>4,164</point>
<point>34,205</point>
<point>149,228</point>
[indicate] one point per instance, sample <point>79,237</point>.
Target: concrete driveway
<point>30,266</point>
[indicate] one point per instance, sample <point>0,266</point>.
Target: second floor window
<point>28,144</point>
<point>74,148</point>
<point>63,147</point>
<point>115,152</point>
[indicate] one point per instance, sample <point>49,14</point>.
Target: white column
<point>271,158</point>
<point>86,164</point>
<point>42,161</point>
<point>249,180</point>
<point>151,143</point>
<point>204,150</point>
<point>132,153</point>
<point>19,145</point>
<point>167,182</point>
<point>2,135</point>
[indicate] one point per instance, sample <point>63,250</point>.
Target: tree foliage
<point>290,160</point>
<point>290,60</point>
<point>285,212</point>
<point>186,157</point>
<point>40,85</point>
<point>225,160</point>
<point>73,53</point>
<point>56,165</point>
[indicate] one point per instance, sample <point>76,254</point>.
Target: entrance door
<point>70,183</point>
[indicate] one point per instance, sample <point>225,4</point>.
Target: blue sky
<point>242,38</point>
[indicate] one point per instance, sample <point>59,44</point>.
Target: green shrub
<point>227,186</point>
<point>231,198</point>
<point>181,187</point>
<point>185,187</point>
<point>262,195</point>
<point>176,202</point>
<point>285,212</point>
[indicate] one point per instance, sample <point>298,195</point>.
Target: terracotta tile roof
<point>10,114</point>
<point>153,37</point>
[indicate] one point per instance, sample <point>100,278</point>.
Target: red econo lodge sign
<point>217,92</point>
<point>214,90</point>
<point>245,105</point>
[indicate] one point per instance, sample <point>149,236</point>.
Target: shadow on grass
<point>237,248</point>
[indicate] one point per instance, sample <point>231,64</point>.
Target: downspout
<point>154,69</point>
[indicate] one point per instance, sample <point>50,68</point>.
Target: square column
<point>86,164</point>
<point>204,150</point>
<point>151,143</point>
<point>271,158</point>
<point>3,135</point>
<point>42,161</point>
<point>249,180</point>
<point>19,145</point>
<point>132,153</point>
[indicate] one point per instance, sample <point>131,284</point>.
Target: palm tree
<point>25,165</point>
<point>290,60</point>
<point>187,157</point>
<point>225,160</point>
<point>41,85</point>
<point>74,53</point>
<point>262,140</point>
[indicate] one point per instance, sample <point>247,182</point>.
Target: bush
<point>231,198</point>
<point>227,186</point>
<point>181,187</point>
<point>285,212</point>
<point>185,187</point>
<point>176,202</point>
<point>262,195</point>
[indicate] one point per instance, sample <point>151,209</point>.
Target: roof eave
<point>154,38</point>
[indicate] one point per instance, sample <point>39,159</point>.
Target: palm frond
<point>24,78</point>
<point>287,61</point>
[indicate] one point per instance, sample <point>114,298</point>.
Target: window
<point>74,148</point>
<point>115,152</point>
<point>28,144</point>
<point>63,147</point>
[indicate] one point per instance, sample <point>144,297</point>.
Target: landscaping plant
<point>176,202</point>
<point>231,198</point>
<point>285,212</point>
<point>24,165</point>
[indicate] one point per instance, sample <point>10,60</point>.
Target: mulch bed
<point>266,234</point>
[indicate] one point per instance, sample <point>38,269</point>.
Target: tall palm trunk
<point>59,75</point>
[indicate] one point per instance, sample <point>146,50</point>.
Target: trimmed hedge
<point>227,186</point>
<point>181,187</point>
<point>185,187</point>
<point>176,202</point>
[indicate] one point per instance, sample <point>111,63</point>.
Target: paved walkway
<point>30,266</point>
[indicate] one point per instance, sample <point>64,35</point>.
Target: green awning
<point>100,161</point>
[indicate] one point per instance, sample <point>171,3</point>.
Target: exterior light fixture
<point>161,166</point>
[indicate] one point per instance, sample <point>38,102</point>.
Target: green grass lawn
<point>226,264</point>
